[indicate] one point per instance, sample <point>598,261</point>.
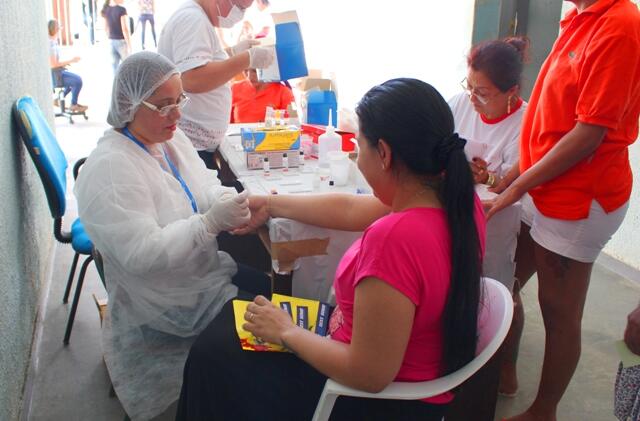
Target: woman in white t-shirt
<point>488,113</point>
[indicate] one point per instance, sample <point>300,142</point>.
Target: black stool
<point>63,110</point>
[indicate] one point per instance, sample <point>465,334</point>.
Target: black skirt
<point>224,382</point>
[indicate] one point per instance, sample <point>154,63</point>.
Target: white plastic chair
<point>496,311</point>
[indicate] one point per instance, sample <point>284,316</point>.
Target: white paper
<point>475,149</point>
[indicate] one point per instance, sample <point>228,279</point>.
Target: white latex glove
<point>260,57</point>
<point>221,192</point>
<point>229,210</point>
<point>243,45</point>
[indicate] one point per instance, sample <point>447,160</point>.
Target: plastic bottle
<point>329,141</point>
<point>265,166</point>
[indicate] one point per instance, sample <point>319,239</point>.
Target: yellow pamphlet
<point>308,314</point>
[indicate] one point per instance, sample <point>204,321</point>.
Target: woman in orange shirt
<point>251,97</point>
<point>582,116</point>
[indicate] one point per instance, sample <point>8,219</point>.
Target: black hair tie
<point>448,145</point>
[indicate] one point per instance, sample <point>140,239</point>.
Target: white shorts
<point>580,240</point>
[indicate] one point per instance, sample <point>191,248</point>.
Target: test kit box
<point>255,160</point>
<point>261,139</point>
<point>290,59</point>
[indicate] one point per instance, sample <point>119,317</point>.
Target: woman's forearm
<point>579,143</point>
<point>214,74</point>
<point>124,24</point>
<point>347,212</point>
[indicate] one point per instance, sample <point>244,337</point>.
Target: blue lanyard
<point>173,168</point>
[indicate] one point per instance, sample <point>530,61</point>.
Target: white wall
<point>402,38</point>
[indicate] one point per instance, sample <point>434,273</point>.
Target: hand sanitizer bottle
<point>329,141</point>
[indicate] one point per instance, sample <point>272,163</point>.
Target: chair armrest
<point>76,167</point>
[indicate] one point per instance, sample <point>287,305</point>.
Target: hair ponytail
<point>461,310</point>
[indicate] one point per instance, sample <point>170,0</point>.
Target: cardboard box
<point>289,50</point>
<point>319,105</point>
<point>261,139</point>
<point>316,99</point>
<point>310,83</point>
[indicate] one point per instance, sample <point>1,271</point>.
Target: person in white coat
<point>189,40</point>
<point>153,210</point>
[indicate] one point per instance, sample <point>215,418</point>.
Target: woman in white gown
<point>153,210</point>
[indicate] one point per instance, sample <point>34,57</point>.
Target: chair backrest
<point>45,152</point>
<point>494,320</point>
<point>494,315</point>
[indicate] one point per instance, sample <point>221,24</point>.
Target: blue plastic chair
<point>52,165</point>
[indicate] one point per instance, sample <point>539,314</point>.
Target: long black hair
<point>416,122</point>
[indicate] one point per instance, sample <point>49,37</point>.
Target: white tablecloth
<point>313,275</point>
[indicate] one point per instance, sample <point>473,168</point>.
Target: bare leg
<point>525,268</point>
<point>563,285</point>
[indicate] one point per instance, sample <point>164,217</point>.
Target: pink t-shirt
<point>411,251</point>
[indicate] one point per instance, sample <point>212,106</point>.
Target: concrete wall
<point>625,244</point>
<point>25,222</point>
<point>537,19</point>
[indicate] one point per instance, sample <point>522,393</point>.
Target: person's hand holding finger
<point>220,192</point>
<point>259,215</point>
<point>228,211</point>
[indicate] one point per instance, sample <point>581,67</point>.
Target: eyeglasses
<point>164,111</point>
<point>482,97</point>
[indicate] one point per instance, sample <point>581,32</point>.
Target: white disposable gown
<point>165,276</point>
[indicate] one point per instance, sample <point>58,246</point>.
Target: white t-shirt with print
<point>502,138</point>
<point>189,40</point>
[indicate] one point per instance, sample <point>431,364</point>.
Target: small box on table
<point>272,143</point>
<point>262,139</point>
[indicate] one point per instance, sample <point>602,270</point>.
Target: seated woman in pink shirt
<point>407,291</point>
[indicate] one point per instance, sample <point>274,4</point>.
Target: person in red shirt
<point>250,98</point>
<point>582,117</point>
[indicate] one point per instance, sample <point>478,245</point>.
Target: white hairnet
<point>137,78</point>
